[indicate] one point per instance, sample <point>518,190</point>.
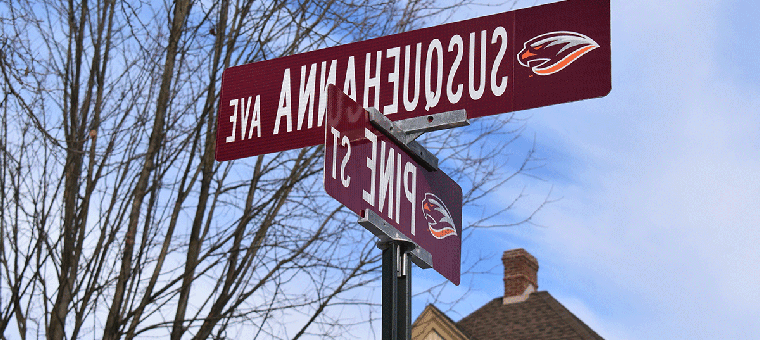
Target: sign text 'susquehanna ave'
<point>510,61</point>
<point>365,169</point>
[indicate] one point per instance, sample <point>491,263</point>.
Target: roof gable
<point>432,324</point>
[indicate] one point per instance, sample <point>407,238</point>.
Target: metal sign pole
<point>397,290</point>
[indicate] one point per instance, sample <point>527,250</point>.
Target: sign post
<point>397,290</point>
<point>397,193</point>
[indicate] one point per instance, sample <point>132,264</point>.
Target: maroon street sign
<point>365,169</point>
<point>538,56</point>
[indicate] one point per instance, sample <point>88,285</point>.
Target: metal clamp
<point>406,131</point>
<point>387,233</point>
<point>416,126</point>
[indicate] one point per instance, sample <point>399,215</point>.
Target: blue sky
<point>656,235</point>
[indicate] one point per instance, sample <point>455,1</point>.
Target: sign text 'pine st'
<point>511,61</point>
<point>366,170</point>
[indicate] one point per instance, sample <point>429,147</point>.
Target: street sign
<point>538,56</point>
<point>365,169</point>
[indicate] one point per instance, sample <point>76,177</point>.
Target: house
<point>523,313</point>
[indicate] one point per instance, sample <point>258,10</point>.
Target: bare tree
<point>116,222</point>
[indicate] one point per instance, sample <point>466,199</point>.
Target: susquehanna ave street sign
<point>517,60</point>
<point>364,169</point>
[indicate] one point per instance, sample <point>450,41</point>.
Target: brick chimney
<point>520,275</point>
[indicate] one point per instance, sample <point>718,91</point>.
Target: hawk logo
<point>551,52</point>
<point>439,219</point>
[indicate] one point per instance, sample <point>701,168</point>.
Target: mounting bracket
<point>387,233</point>
<point>405,131</point>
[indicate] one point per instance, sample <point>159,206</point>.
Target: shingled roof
<point>521,314</point>
<point>539,317</point>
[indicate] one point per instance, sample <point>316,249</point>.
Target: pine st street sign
<point>538,56</point>
<point>365,169</point>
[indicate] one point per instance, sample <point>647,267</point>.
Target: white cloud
<point>602,326</point>
<point>659,221</point>
<point>657,235</point>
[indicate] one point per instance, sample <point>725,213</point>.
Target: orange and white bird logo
<point>439,220</point>
<point>551,52</point>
